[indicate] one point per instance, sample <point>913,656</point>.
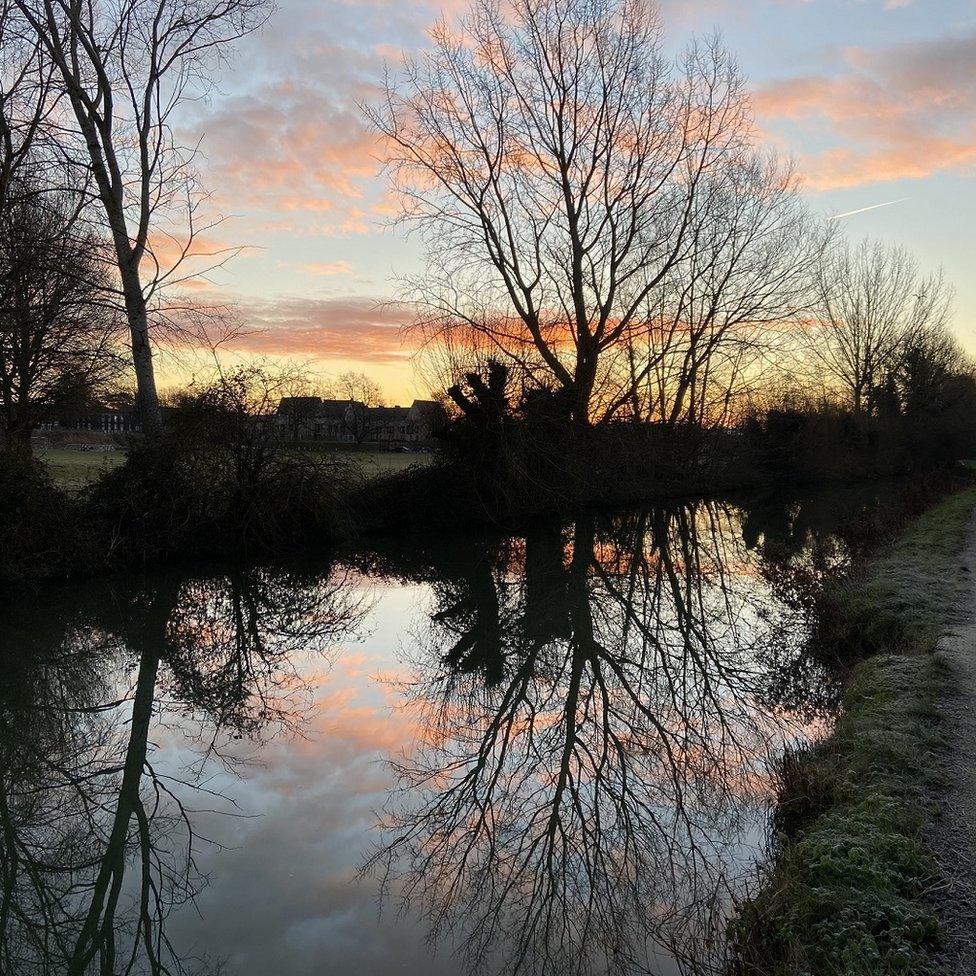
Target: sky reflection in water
<point>549,754</point>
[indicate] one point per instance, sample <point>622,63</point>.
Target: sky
<point>875,100</point>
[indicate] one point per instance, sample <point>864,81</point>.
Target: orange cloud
<point>339,328</point>
<point>902,112</point>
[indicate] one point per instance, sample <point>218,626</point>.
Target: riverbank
<point>215,484</point>
<point>857,884</point>
<point>953,836</point>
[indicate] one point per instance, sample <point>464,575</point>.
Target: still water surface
<point>546,754</point>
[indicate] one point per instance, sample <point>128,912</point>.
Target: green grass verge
<point>74,470</point>
<point>846,893</point>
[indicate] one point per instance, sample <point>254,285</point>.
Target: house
<point>317,419</point>
<point>388,425</point>
<point>350,421</point>
<point>98,417</point>
<point>401,425</point>
<point>426,417</point>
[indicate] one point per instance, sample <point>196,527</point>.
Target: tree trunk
<point>142,355</point>
<point>583,388</point>
<point>97,932</point>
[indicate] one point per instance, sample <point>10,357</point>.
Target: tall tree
<point>873,303</point>
<point>25,100</point>
<point>126,68</point>
<point>58,334</point>
<point>556,162</point>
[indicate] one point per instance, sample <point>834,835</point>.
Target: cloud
<point>335,328</point>
<point>286,144</point>
<point>328,268</point>
<point>900,112</point>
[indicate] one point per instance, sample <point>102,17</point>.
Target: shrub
<point>220,480</point>
<point>40,528</point>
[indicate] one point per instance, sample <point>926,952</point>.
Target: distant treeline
<point>219,481</point>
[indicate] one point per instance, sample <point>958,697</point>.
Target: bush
<point>40,527</point>
<point>220,480</point>
<point>808,442</point>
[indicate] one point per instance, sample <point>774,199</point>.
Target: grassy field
<point>846,895</point>
<point>373,463</point>
<point>73,469</point>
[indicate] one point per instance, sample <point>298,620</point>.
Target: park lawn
<point>74,470</point>
<point>374,463</point>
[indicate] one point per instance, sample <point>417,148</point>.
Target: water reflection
<point>585,718</point>
<point>98,848</point>
<point>597,727</point>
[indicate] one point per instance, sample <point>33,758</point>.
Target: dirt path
<point>953,836</point>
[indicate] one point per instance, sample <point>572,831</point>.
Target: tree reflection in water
<point>96,847</point>
<point>598,723</point>
<point>598,705</point>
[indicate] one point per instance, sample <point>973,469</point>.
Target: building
<point>312,418</point>
<point>352,422</point>
<point>98,417</point>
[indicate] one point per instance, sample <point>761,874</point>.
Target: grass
<point>374,463</point>
<point>908,591</point>
<point>73,470</point>
<point>846,895</point>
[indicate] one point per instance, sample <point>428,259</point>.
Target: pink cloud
<point>338,328</point>
<point>902,112</point>
<point>328,268</point>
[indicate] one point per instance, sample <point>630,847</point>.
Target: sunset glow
<point>874,100</point>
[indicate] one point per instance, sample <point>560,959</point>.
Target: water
<point>547,754</point>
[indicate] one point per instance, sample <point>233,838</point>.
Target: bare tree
<point>126,69</point>
<point>25,97</point>
<point>873,301</point>
<point>592,741</point>
<point>558,166</point>
<point>363,395</point>
<point>749,270</point>
<point>58,334</point>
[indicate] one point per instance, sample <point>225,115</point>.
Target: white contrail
<point>874,206</point>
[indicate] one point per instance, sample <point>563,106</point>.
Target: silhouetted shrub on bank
<point>815,442</point>
<point>521,466</point>
<point>40,526</point>
<point>506,458</point>
<point>219,479</point>
<point>537,471</point>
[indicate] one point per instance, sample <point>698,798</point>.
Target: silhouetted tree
<point>58,331</point>
<point>874,302</point>
<point>565,175</point>
<point>125,69</point>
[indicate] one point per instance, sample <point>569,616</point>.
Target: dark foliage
<point>923,426</point>
<point>40,527</point>
<point>218,480</point>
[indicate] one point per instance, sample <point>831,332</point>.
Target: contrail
<point>874,206</point>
